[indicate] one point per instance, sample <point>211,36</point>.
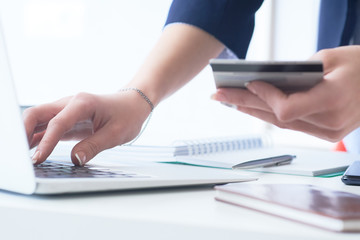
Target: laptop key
<point>51,169</point>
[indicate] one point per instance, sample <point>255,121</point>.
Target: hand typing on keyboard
<point>99,122</point>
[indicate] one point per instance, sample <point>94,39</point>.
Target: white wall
<point>61,47</point>
<point>295,31</point>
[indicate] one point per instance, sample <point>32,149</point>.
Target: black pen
<point>266,162</point>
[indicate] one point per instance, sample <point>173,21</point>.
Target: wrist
<point>139,100</point>
<point>136,103</point>
<point>148,88</point>
<point>142,94</point>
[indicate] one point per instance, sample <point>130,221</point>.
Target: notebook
<point>17,173</point>
<point>196,147</point>
<point>312,205</point>
<point>225,152</point>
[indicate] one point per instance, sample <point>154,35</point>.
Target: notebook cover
<point>309,198</point>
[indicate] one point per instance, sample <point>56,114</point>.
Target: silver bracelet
<point>148,118</point>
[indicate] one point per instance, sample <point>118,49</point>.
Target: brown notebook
<point>316,206</point>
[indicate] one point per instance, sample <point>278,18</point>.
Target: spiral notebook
<point>226,152</point>
<point>197,147</point>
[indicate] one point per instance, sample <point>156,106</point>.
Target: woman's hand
<point>99,122</point>
<point>330,110</point>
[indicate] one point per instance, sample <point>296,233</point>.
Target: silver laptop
<point>18,174</point>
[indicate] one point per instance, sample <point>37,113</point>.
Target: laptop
<point>17,173</point>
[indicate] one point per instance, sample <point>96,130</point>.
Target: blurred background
<point>61,47</point>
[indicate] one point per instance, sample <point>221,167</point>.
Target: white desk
<point>190,213</point>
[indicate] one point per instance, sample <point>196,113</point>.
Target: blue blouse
<point>230,21</point>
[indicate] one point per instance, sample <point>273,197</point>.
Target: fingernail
<point>218,97</point>
<point>251,89</point>
<point>81,157</point>
<point>229,105</point>
<point>35,157</point>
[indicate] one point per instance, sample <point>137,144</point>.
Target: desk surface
<point>184,213</point>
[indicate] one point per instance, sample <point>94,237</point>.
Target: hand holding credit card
<point>289,76</point>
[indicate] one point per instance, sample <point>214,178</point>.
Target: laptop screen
<point>16,171</point>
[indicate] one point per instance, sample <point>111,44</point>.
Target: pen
<point>266,162</point>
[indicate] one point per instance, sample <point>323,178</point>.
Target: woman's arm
<point>180,54</point>
<point>102,122</point>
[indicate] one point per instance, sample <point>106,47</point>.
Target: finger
<point>240,97</point>
<point>332,120</point>
<point>79,109</point>
<point>298,125</point>
<point>298,105</point>
<point>36,139</point>
<point>316,57</point>
<point>36,118</point>
<point>79,131</point>
<point>328,57</point>
<point>105,138</point>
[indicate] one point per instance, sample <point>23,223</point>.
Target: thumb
<point>316,57</point>
<point>89,147</point>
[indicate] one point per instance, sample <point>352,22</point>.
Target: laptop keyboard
<point>52,169</point>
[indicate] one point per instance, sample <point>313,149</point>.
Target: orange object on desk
<point>340,147</point>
